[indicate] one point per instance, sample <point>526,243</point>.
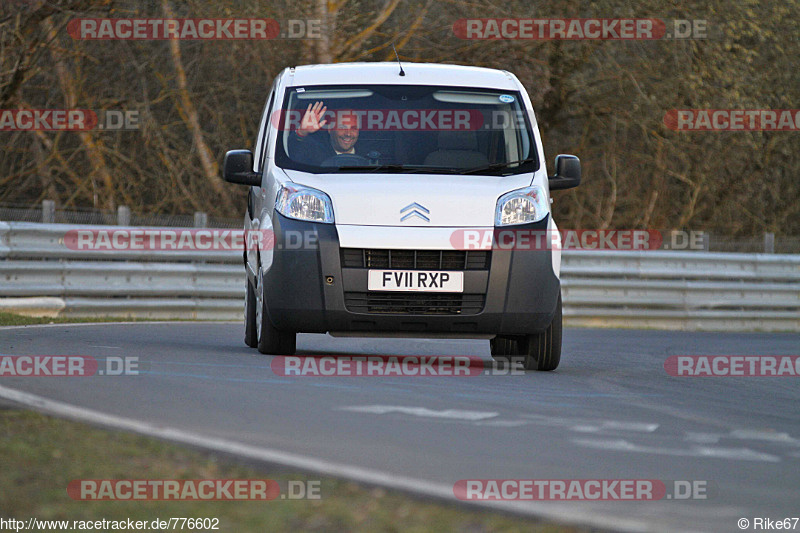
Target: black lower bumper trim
<point>410,303</point>
<point>308,290</point>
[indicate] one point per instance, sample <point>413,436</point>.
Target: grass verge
<point>12,319</point>
<point>40,455</point>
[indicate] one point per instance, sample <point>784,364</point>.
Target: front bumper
<point>308,289</point>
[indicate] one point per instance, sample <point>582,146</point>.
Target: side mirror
<point>568,173</point>
<point>238,168</point>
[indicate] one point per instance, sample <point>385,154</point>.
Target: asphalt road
<point>610,411</point>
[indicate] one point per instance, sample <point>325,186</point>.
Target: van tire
<point>502,348</point>
<point>271,340</point>
<point>542,351</point>
<point>268,335</point>
<point>250,334</point>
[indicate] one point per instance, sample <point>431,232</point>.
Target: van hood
<point>446,200</point>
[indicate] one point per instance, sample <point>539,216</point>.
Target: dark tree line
<point>602,100</point>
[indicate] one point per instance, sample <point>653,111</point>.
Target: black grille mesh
<point>410,303</point>
<point>416,259</point>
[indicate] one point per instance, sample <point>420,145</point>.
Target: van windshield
<point>404,129</point>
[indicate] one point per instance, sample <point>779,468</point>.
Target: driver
<point>342,137</point>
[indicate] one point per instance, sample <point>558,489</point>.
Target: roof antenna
<point>398,60</point>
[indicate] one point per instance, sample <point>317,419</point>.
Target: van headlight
<point>521,207</point>
<point>304,203</point>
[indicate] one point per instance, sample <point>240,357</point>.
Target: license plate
<point>416,280</point>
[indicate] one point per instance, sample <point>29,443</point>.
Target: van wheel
<point>502,348</point>
<point>542,351</point>
<point>250,334</point>
<point>267,335</point>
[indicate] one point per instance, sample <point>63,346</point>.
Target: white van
<point>384,187</point>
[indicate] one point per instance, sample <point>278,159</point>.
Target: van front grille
<point>416,259</point>
<point>410,303</point>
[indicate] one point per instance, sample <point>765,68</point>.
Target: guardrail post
<point>48,211</point>
<point>123,215</point>
<point>200,219</point>
<point>769,243</point>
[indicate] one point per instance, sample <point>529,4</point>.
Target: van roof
<point>388,73</point>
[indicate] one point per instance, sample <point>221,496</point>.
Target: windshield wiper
<point>401,169</point>
<point>496,166</point>
<point>418,169</point>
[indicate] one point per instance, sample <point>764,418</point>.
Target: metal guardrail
<point>123,216</point>
<point>49,213</point>
<point>653,289</point>
<point>682,290</point>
